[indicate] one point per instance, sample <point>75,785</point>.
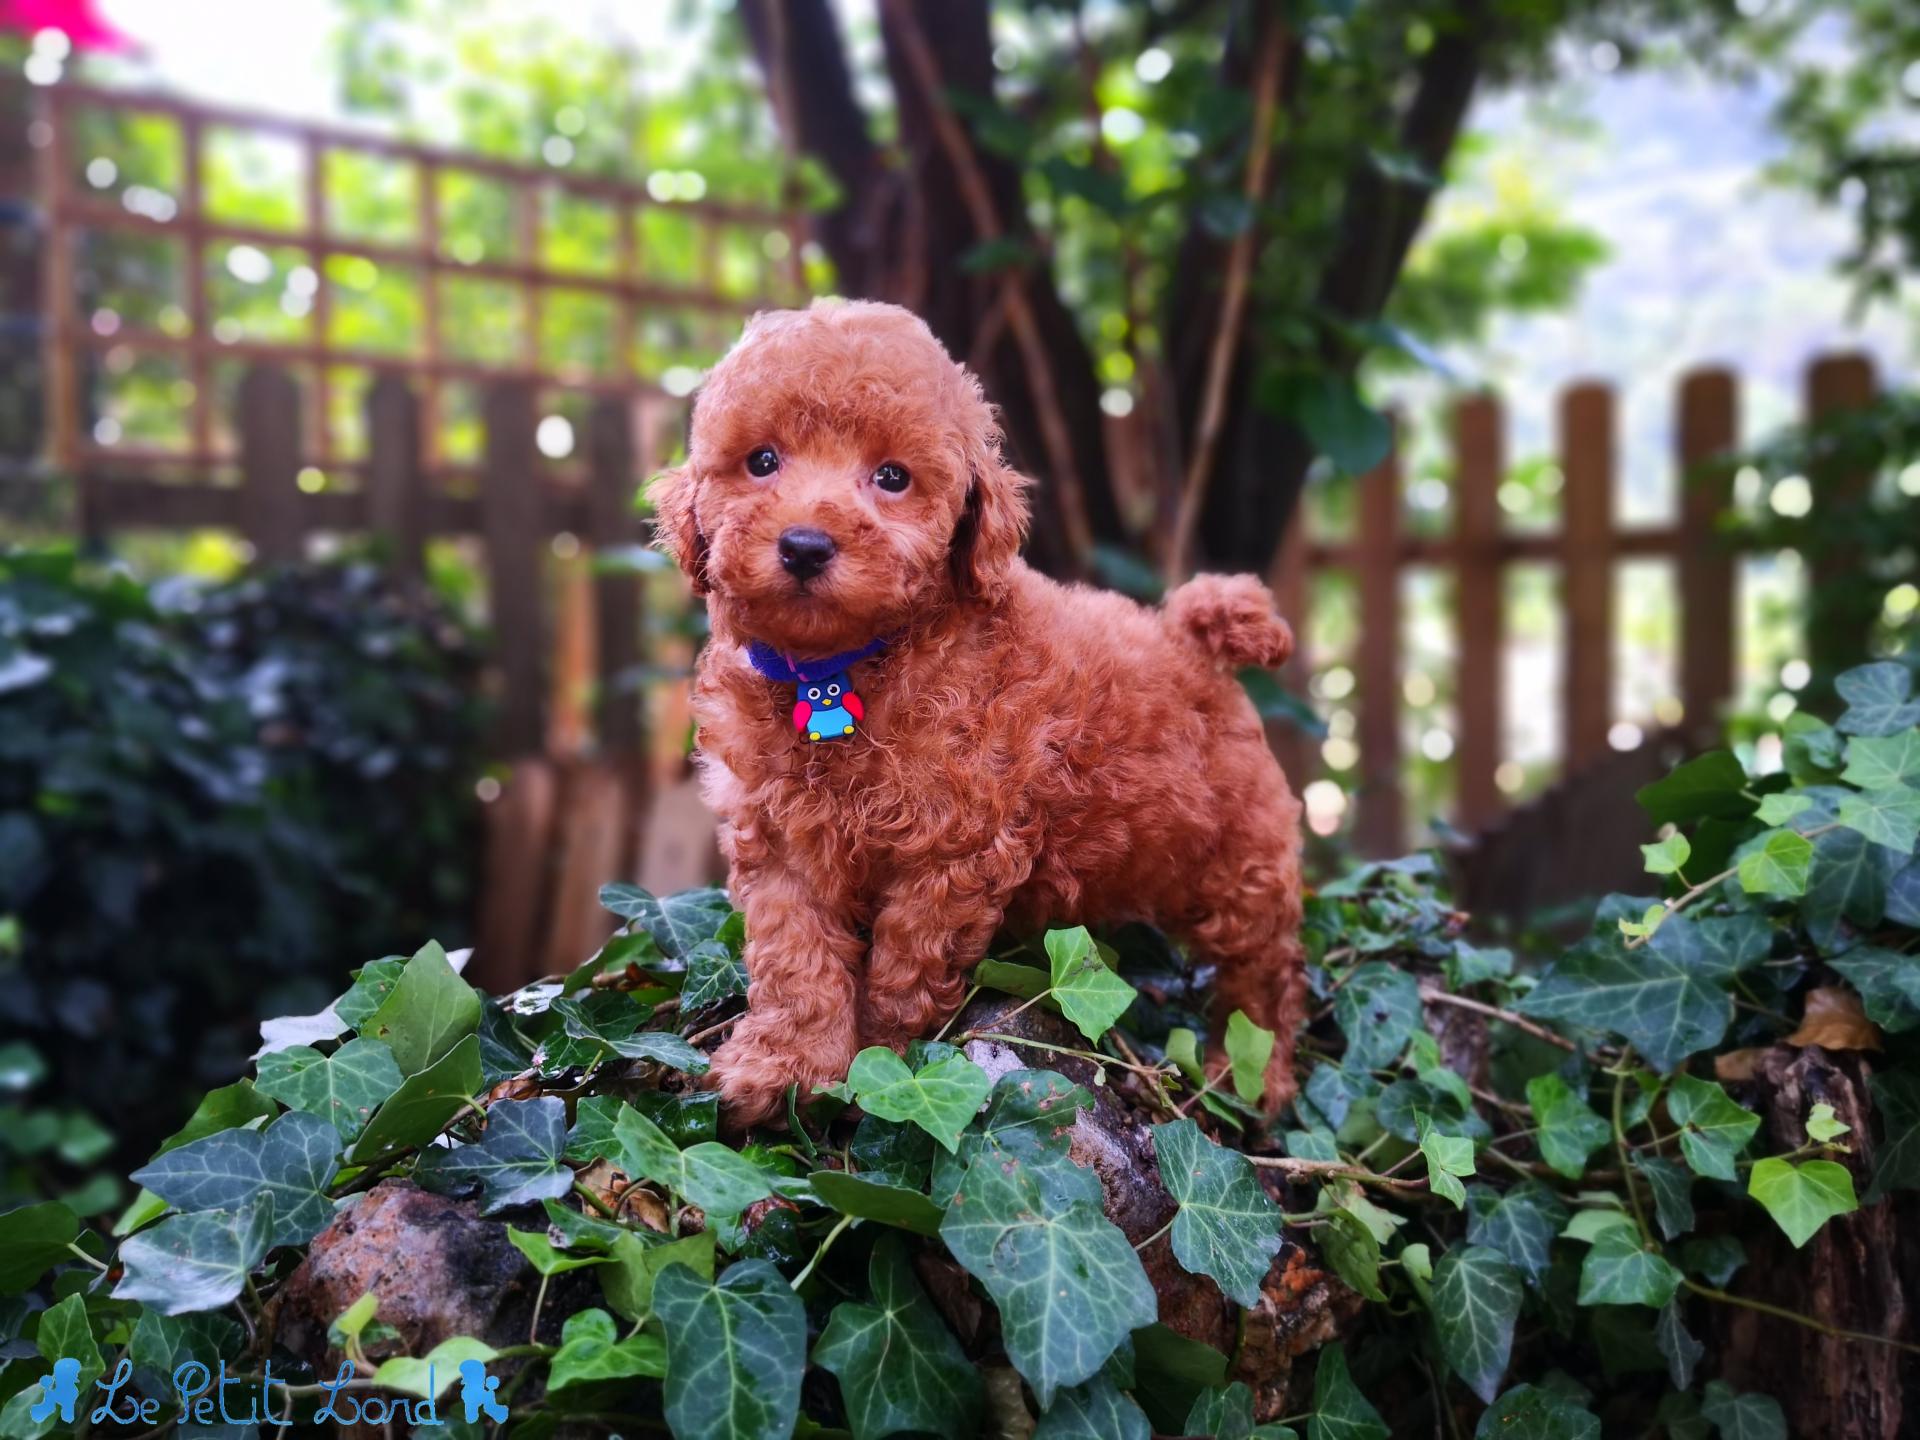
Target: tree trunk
<point>1854,1274</point>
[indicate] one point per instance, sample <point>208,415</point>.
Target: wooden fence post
<point>1586,540</point>
<point>1381,826</point>
<point>512,523</point>
<point>270,464</point>
<point>396,484</point>
<point>611,525</point>
<point>1480,607</point>
<point>1841,610</point>
<point>1709,428</point>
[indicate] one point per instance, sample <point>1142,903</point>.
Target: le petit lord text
<point>202,1398</point>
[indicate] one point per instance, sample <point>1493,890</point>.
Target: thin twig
<point>1434,995</point>
<point>1233,303</point>
<point>1707,1292</point>
<point>977,195</point>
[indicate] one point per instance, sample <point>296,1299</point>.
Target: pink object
<point>76,19</point>
<point>802,712</point>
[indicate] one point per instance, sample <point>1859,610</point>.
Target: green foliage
<point>1540,1252</point>
<point>211,799</point>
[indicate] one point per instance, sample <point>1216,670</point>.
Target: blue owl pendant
<point>826,709</point>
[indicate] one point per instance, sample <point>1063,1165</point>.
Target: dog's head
<point>843,474</point>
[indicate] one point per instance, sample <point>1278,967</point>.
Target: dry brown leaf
<point>1736,1065</point>
<point>1835,1021</point>
<point>602,1181</point>
<point>520,1087</point>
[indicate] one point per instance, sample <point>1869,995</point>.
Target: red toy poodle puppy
<point>911,738</point>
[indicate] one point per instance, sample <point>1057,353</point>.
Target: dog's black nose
<point>805,552</point>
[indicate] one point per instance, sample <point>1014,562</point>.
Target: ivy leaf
<point>1778,865</point>
<point>199,1261</point>
<point>1751,1416</point>
<point>1710,786</point>
<point>1618,1271</point>
<point>1227,1226</point>
<point>635,1265</point>
<point>1476,1298</point>
<point>430,1010</point>
<point>1714,1258</point>
<point>33,1239</point>
<point>1225,1413</point>
<point>736,1349</point>
<point>1801,1198</point>
<point>1569,1130</point>
<point>719,1180</point>
<point>344,1087</point>
<point>516,1162</point>
<point>1714,1129</point>
<point>1521,1224</point>
<point>1889,985</point>
<point>66,1333</point>
<point>1068,1284</point>
<point>1533,1412</point>
<point>1378,1009</point>
<point>162,1343</point>
<point>431,1375</point>
<point>1887,817</point>
<point>372,984</point>
<point>1877,700</point>
<point>714,973</point>
<point>1448,1158</point>
<point>1683,1352</point>
<point>941,1099</point>
<point>1880,762</point>
<point>548,1258</point>
<point>1097,1410</point>
<point>1823,1125</point>
<point>898,1365</point>
<point>1668,998</point>
<point>1896,1166</point>
<point>293,1161</point>
<point>1779,809</point>
<point>676,922</point>
<point>625,1039</point>
<point>1665,857</point>
<point>1849,882</point>
<point>1026,981</point>
<point>1340,1411</point>
<point>1672,1198</point>
<point>591,1349</point>
<point>1087,992</point>
<point>1589,1225</point>
<point>870,1199</point>
<point>1249,1047</point>
<point>424,1105</point>
<point>1350,1247</point>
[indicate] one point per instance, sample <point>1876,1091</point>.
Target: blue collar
<point>776,666</point>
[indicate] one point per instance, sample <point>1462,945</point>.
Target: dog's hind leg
<point>1250,930</point>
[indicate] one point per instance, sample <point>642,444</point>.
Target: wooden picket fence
<point>1587,547</point>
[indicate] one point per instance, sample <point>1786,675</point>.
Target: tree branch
<point>1226,339</point>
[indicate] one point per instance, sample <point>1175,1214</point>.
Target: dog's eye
<point>763,462</point>
<point>891,477</point>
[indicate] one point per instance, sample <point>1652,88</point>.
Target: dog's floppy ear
<point>992,524</point>
<point>676,527</point>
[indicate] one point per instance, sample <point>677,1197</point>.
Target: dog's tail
<point>1232,618</point>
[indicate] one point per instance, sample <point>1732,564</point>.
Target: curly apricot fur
<point>1032,753</point>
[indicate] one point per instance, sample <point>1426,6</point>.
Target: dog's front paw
<point>754,1069</point>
